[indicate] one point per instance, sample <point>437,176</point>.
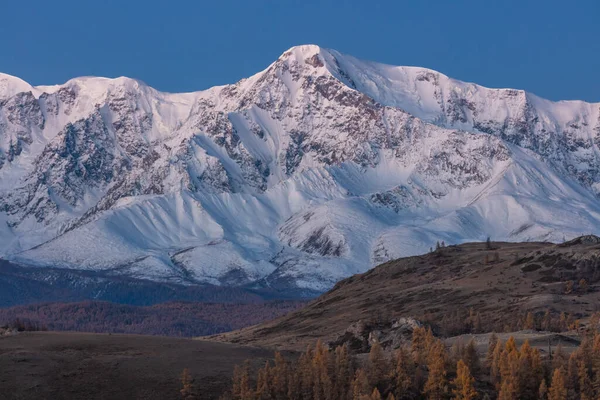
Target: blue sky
<point>551,48</point>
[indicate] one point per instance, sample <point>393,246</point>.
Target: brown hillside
<point>501,283</point>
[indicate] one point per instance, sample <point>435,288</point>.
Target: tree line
<point>424,369</point>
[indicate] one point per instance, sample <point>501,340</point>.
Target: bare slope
<point>502,283</point>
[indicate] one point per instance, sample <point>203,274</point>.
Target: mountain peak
<point>11,85</point>
<point>316,168</point>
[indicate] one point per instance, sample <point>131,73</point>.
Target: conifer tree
<point>306,374</point>
<point>529,321</point>
<point>360,385</point>
<point>436,386</point>
<point>375,395</point>
<point>489,357</point>
<point>558,388</point>
<point>572,376</point>
<point>263,388</point>
<point>418,345</point>
<point>377,366</point>
<point>403,373</point>
<point>495,374</point>
<point>471,358</point>
<point>342,373</point>
<point>187,391</point>
<point>463,383</point>
<point>507,391</point>
<point>279,377</point>
<point>546,321</point>
<point>558,358</point>
<point>585,383</point>
<point>322,385</point>
<point>543,390</point>
<point>241,383</point>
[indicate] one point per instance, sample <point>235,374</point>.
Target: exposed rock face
<point>360,336</point>
<point>314,169</point>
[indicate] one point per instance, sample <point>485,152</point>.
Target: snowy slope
<point>318,167</point>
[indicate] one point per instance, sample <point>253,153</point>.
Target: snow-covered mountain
<point>319,167</point>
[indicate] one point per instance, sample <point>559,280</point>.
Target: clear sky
<point>549,47</point>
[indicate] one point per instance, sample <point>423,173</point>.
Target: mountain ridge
<point>313,169</point>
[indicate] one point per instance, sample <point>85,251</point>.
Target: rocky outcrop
<point>360,336</point>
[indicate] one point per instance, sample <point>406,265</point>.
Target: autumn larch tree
<point>543,391</point>
<point>377,367</point>
<point>187,391</point>
<point>360,385</point>
<point>403,374</point>
<point>558,388</point>
<point>463,383</point>
<point>436,386</point>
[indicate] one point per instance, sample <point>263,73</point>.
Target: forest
<point>181,319</point>
<point>423,369</point>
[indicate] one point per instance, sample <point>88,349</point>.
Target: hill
<point>501,282</point>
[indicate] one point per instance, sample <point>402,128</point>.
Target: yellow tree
<point>471,358</point>
<point>403,373</point>
<point>585,383</point>
<point>418,344</point>
<point>543,390</point>
<point>530,321</point>
<point>360,385</point>
<point>492,343</point>
<point>463,383</point>
<point>263,388</point>
<point>375,395</point>
<point>558,388</point>
<point>495,364</point>
<point>436,386</point>
<point>279,377</point>
<point>241,383</point>
<point>187,385</point>
<point>507,391</point>
<point>342,373</point>
<point>322,385</point>
<point>377,366</point>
